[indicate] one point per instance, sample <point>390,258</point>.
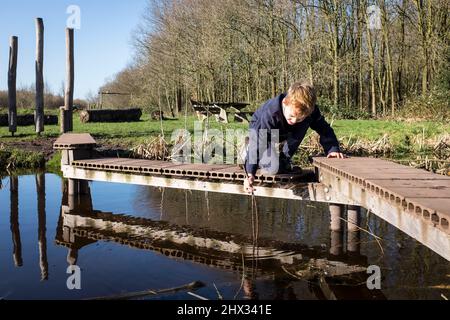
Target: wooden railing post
<point>67,124</point>
<point>12,72</point>
<point>39,113</point>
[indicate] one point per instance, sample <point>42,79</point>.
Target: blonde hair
<point>302,97</point>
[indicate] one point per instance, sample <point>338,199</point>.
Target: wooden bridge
<point>415,201</point>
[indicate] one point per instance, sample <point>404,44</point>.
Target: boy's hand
<point>338,155</point>
<point>248,183</point>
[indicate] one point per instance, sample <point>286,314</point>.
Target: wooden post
<point>353,222</point>
<point>12,71</point>
<point>39,113</point>
<point>352,218</point>
<point>64,117</point>
<point>353,241</point>
<point>336,242</point>
<point>75,147</point>
<point>42,239</point>
<point>101,101</point>
<point>72,191</point>
<point>14,205</point>
<point>68,98</point>
<point>335,217</point>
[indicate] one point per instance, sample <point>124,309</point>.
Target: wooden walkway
<point>419,191</point>
<point>415,201</point>
<point>168,169</point>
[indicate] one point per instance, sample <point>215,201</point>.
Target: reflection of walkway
<point>79,225</point>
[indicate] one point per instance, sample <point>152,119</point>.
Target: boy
<point>289,116</point>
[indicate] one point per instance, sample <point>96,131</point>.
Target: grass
<point>54,164</point>
<point>398,131</point>
<point>402,135</point>
<point>137,132</point>
<point>19,159</point>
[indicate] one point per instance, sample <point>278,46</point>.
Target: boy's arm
<point>328,138</point>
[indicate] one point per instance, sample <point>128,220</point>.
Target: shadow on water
<point>144,238</point>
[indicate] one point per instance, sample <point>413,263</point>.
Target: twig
<point>140,294</point>
<point>197,296</point>
<point>371,233</point>
<point>362,229</point>
<point>243,277</point>
<point>218,292</point>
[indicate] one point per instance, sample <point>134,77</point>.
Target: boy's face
<point>292,116</point>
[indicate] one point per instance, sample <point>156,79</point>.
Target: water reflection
<point>42,221</point>
<point>138,238</point>
<point>252,256</point>
<point>15,230</point>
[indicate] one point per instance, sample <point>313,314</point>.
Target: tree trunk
<point>389,58</point>
<point>360,58</point>
<point>401,58</point>
<point>424,26</point>
<point>111,115</point>
<point>371,66</point>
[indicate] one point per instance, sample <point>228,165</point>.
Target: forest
<point>367,59</point>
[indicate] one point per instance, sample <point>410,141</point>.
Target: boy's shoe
<point>287,167</point>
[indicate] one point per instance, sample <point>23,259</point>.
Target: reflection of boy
<point>290,115</point>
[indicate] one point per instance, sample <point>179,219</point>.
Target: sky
<point>103,43</point>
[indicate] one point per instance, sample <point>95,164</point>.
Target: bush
<point>341,112</point>
<point>433,106</point>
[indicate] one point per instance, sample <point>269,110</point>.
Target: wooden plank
<point>71,140</point>
<point>419,192</point>
<point>282,192</point>
<point>414,221</point>
<point>212,171</point>
<point>440,206</point>
<point>410,183</point>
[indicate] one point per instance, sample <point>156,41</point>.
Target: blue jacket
<point>270,116</point>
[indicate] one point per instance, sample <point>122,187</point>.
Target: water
<point>129,238</point>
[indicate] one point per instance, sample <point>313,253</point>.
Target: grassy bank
<point>391,139</point>
<point>128,134</point>
<point>11,159</point>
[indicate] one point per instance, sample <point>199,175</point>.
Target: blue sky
<point>103,44</point>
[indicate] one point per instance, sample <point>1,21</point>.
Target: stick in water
<point>139,294</point>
